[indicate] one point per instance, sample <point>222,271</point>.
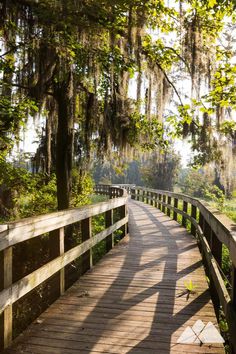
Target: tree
<point>161,170</point>
<point>73,61</point>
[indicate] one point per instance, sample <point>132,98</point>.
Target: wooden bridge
<point>140,297</point>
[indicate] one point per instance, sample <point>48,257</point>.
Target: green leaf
<point>212,3</point>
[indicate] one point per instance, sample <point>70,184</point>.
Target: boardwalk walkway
<point>130,301</point>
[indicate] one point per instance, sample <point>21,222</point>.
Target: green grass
<point>95,198</point>
<point>228,209</point>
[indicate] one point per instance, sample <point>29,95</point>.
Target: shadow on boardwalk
<point>129,303</point>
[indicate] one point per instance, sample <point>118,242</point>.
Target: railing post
<point>216,248</point>
<point>133,194</point>
<point>233,294</point>
<point>123,213</point>
<point>108,223</point>
<point>87,257</point>
<point>168,202</point>
<point>57,248</point>
<point>61,252</point>
<point>7,315</point>
<point>232,324</point>
<point>143,196</point>
<point>176,201</point>
<point>159,204</point>
<point>151,196</point>
<point>164,201</point>
<point>207,232</point>
<point>201,221</point>
<point>155,196</point>
<point>138,198</point>
<point>194,216</point>
<point>148,198</point>
<point>185,209</point>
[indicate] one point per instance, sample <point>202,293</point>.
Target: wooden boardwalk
<point>130,302</point>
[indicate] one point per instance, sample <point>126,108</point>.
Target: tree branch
<point>180,57</point>
<point>174,88</point>
<point>170,82</point>
<point>28,88</point>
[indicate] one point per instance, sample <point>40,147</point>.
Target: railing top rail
<point>124,185</point>
<point>212,229</point>
<point>223,227</point>
<point>110,189</point>
<point>181,196</point>
<point>18,231</point>
<point>22,230</point>
<point>201,204</point>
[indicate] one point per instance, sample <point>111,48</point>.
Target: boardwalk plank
<point>131,301</point>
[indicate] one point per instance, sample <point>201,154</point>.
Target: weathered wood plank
<point>31,281</point>
<point>61,252</point>
<point>7,315</point>
<point>32,227</point>
<point>133,300</point>
<point>87,257</point>
<point>108,223</point>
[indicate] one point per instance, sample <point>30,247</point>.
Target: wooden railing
<point>212,230</point>
<point>113,190</point>
<point>54,224</point>
<point>109,190</point>
<point>126,186</point>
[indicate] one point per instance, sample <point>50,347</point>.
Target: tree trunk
<point>48,146</point>
<point>65,137</point>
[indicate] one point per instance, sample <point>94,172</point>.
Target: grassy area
<point>95,198</point>
<point>229,208</point>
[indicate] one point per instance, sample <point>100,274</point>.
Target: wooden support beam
<point>159,204</point>
<point>216,248</point>
<point>61,252</point>
<point>164,201</point>
<point>152,201</point>
<point>176,201</point>
<point>57,248</point>
<point>123,213</point>
<point>142,196</point>
<point>108,223</point>
<point>232,312</point>
<point>207,232</point>
<point>87,257</point>
<point>139,198</point>
<point>194,216</point>
<point>7,315</point>
<point>233,293</point>
<point>201,221</point>
<point>185,209</point>
<point>156,203</point>
<point>169,202</point>
<point>134,194</point>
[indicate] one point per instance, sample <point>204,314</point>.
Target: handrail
<point>113,190</point>
<point>212,230</point>
<point>13,233</point>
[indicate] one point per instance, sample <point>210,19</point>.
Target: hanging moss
<point>83,54</point>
